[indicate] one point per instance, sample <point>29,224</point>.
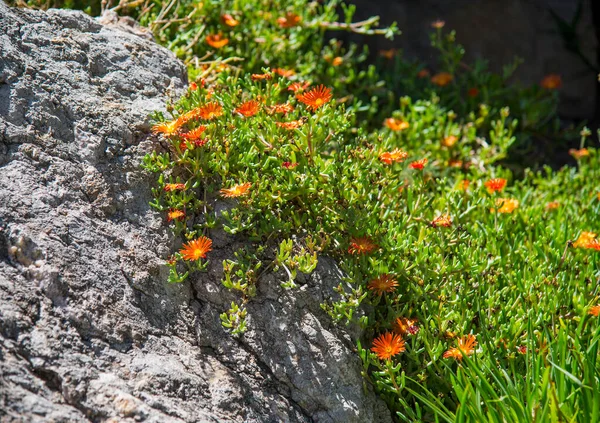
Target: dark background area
<point>552,36</point>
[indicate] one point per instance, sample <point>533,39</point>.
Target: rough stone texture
<point>498,31</point>
<point>89,330</point>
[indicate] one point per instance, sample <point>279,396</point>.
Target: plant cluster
<point>477,288</point>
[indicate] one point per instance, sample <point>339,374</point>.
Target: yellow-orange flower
<point>249,108</point>
<point>423,73</point>
<point>316,97</point>
<point>494,185</point>
<point>210,111</point>
<point>388,54</point>
<point>298,86</point>
<point>551,82</point>
<point>261,76</point>
<point>444,220</point>
<point>507,205</point>
<point>289,20</point>
<point>584,239</point>
<point>419,164</point>
<point>236,190</point>
<point>405,326</point>
<point>395,156</point>
<point>361,245</point>
<point>175,214</point>
<point>337,61</point>
<point>286,73</point>
<point>169,128</point>
<point>196,249</point>
<point>383,283</point>
<point>552,205</point>
<point>388,345</point>
<point>229,20</point>
<point>174,187</point>
<point>464,186</point>
<point>396,124</point>
<point>466,346</point>
<point>293,124</point>
<point>217,40</point>
<point>594,310</point>
<point>442,79</point>
<point>438,24</point>
<point>283,109</point>
<point>578,154</point>
<point>449,141</point>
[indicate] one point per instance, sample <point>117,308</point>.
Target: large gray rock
<point>89,329</point>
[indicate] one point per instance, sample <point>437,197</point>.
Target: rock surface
<point>89,330</point>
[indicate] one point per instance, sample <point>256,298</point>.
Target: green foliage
<point>426,248</point>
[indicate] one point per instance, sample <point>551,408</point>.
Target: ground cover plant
<point>477,287</point>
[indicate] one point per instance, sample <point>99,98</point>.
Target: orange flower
<point>216,40</point>
<point>261,76</point>
<point>466,346</point>
<point>383,283</point>
<point>449,141</point>
<point>396,124</point>
<point>552,81</point>
<point>298,86</point>
<point>507,205</point>
<point>553,205</point>
<point>236,190</point>
<point>196,249</point>
<point>442,79</point>
<point>229,20</point>
<point>496,184</point>
<point>594,310</point>
<point>388,345</point>
<point>337,61</point>
<point>465,184</point>
<point>390,157</point>
<point>361,245</point>
<point>594,244</point>
<point>316,97</point>
<point>193,86</point>
<point>289,165</point>
<point>438,24</point>
<point>584,239</point>
<point>283,109</point>
<point>423,73</point>
<point>210,111</point>
<point>444,220</point>
<point>419,164</point>
<point>455,163</point>
<point>249,108</point>
<point>289,20</point>
<point>522,349</point>
<point>294,124</point>
<point>286,73</point>
<point>173,187</point>
<point>175,214</point>
<point>578,154</point>
<point>473,92</point>
<point>194,134</point>
<point>388,54</point>
<point>406,326</point>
